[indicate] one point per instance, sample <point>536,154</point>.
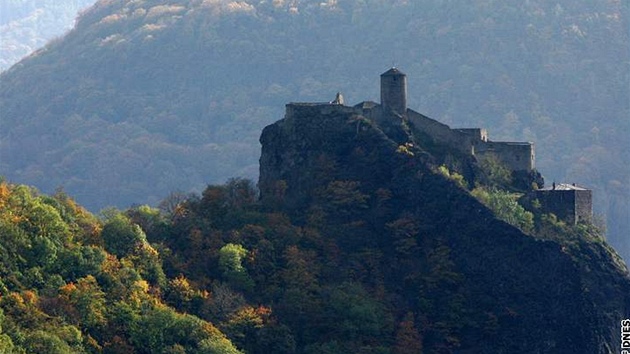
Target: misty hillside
<point>146,97</point>
<point>26,25</point>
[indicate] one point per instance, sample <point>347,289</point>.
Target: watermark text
<point>625,336</point>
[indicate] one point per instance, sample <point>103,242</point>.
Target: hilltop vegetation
<point>146,97</point>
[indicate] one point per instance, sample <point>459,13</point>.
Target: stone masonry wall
<point>561,203</point>
<point>571,205</point>
<point>584,205</point>
<point>516,156</point>
<point>440,132</point>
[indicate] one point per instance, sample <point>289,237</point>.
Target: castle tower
<point>394,91</point>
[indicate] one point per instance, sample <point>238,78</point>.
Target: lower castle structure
<point>569,202</point>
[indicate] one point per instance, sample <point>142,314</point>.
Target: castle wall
<point>300,109</point>
<point>442,133</point>
<point>584,205</point>
<point>561,203</point>
<point>477,134</point>
<point>517,156</point>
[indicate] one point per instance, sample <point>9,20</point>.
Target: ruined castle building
<point>516,156</point>
<point>394,91</point>
<point>568,202</point>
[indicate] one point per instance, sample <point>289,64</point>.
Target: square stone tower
<point>394,91</point>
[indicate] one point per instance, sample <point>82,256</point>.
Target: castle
<point>516,156</point>
<point>571,204</point>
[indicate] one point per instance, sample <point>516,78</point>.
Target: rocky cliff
<point>475,283</point>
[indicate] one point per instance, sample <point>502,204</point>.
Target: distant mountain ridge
<point>27,25</point>
<point>144,98</point>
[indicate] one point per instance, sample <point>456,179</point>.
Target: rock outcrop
<point>509,291</point>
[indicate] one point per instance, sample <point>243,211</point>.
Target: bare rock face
<point>500,290</point>
<point>302,150</point>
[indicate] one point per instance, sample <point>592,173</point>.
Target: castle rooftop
<point>392,71</point>
<point>310,104</point>
<point>564,187</point>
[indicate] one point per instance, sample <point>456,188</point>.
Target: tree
<point>146,260</point>
<point>404,232</point>
<point>231,264</point>
<point>275,338</point>
<point>121,236</point>
<point>408,340</point>
<point>160,328</point>
<point>351,314</point>
<point>44,342</point>
<point>88,299</point>
<point>173,203</point>
<point>505,207</point>
<point>496,173</point>
<point>150,220</point>
<point>344,200</point>
<point>243,326</point>
<point>6,344</point>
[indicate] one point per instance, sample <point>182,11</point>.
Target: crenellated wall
<point>517,156</point>
<point>439,132</point>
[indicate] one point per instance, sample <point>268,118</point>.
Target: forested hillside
<point>146,97</point>
<point>402,260</point>
<point>27,25</point>
<point>71,283</point>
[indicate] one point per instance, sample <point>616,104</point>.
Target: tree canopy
<point>145,98</point>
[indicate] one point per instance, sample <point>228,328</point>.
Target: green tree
<point>275,338</point>
<point>454,176</point>
<point>6,344</point>
<point>150,220</point>
<point>40,341</point>
<point>496,174</point>
<point>146,260</point>
<point>353,315</point>
<point>160,328</point>
<point>505,207</point>
<point>121,236</point>
<point>88,299</point>
<point>231,258</point>
<point>343,201</point>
